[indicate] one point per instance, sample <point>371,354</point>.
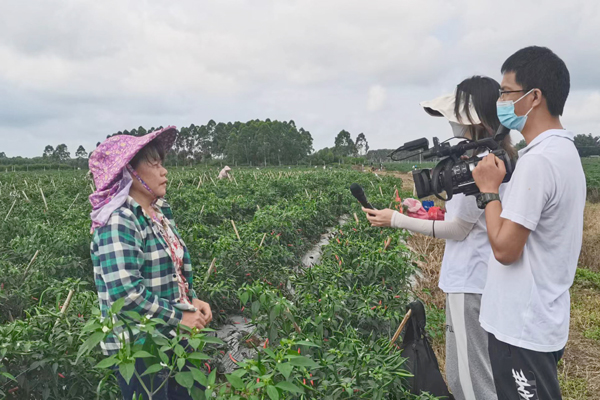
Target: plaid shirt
<point>131,260</point>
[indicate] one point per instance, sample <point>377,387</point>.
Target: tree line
<point>252,143</point>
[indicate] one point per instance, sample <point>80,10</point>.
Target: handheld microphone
<point>357,191</point>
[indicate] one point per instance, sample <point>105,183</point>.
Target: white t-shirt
<point>464,267</point>
<point>527,304</point>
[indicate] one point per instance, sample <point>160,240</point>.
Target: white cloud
<point>74,71</point>
<point>376,97</point>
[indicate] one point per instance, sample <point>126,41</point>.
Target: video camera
<point>453,174</point>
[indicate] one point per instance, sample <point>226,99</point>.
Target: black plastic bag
<point>421,360</point>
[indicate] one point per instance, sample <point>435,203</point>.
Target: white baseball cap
<point>443,106</point>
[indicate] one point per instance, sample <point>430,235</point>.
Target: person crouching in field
<point>224,174</point>
<point>136,250</point>
<point>471,111</point>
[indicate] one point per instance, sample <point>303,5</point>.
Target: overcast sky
<point>74,71</point>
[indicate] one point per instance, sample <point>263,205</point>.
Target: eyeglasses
<point>503,92</point>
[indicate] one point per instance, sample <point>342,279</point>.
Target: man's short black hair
<point>539,68</point>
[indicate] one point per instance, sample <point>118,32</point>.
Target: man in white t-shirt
<point>536,231</point>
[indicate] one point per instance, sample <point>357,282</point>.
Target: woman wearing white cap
<point>471,111</point>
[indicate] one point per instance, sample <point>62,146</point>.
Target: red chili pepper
<point>304,381</point>
<point>207,366</point>
<point>34,298</point>
<point>372,308</point>
<point>257,380</point>
<point>13,389</point>
<point>379,302</point>
<point>266,343</point>
<point>298,350</point>
<point>232,359</point>
<point>336,257</point>
<point>243,307</point>
<point>248,274</point>
<point>396,297</point>
<point>245,320</point>
<point>61,375</point>
<point>338,240</point>
<point>319,300</point>
<point>222,352</point>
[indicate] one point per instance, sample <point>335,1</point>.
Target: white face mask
<point>459,130</point>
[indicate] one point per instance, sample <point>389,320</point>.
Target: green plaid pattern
<point>130,260</point>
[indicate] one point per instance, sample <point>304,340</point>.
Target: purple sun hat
<point>108,166</point>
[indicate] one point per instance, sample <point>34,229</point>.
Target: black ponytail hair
<point>483,93</point>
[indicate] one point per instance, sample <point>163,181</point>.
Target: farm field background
<point>330,324</point>
<point>339,315</point>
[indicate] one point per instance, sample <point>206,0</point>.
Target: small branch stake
<point>399,330</point>
<point>235,229</point>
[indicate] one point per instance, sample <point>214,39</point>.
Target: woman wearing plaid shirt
<point>136,250</point>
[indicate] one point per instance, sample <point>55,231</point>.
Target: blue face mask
<point>507,116</point>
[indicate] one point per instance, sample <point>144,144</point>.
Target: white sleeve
<point>457,229</point>
<point>531,188</point>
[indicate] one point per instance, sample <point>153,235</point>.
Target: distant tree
<point>2,154</point>
<point>587,145</point>
<point>344,145</point>
<point>521,145</point>
<point>81,153</point>
<point>61,152</point>
<point>48,151</point>
<point>361,145</point>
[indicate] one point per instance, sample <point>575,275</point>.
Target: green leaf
<point>198,356</point>
<point>307,343</point>
<point>212,377</point>
<point>153,369</point>
<point>289,387</point>
<point>142,354</point>
<point>255,307</point>
<point>244,298</point>
<point>194,343</point>
<point>235,381</point>
<point>133,315</point>
<point>163,357</point>
<point>107,362</point>
<point>270,353</point>
<point>212,339</point>
<point>117,305</point>
<point>273,392</point>
<point>7,375</point>
<point>198,394</point>
<point>179,350</point>
<point>180,363</point>
<point>185,379</point>
<point>89,344</point>
<point>127,371</point>
<point>285,369</point>
<point>198,376</point>
<point>303,362</point>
